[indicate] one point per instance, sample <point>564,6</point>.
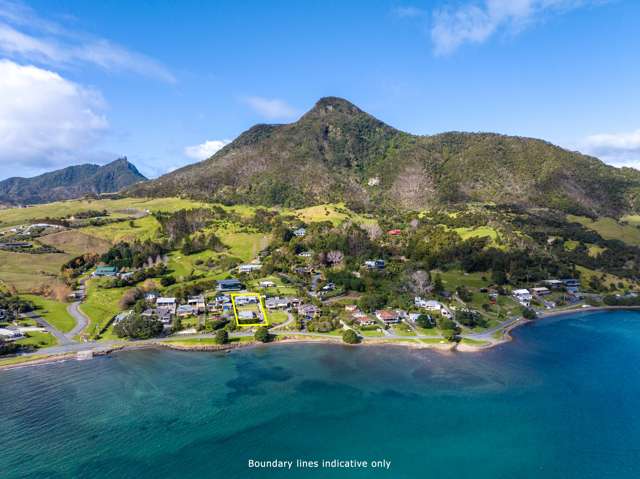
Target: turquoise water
<point>561,401</point>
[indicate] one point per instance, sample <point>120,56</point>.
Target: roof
<point>229,282</point>
<point>106,269</point>
<point>386,314</point>
<point>521,291</point>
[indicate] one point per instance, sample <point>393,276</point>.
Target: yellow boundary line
<point>260,303</point>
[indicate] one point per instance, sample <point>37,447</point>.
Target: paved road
<point>62,339</point>
<point>81,320</point>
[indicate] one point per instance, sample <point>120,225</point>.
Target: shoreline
<point>410,342</point>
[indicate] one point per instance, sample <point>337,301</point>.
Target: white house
<point>267,284</point>
<point>522,296</point>
<point>250,267</point>
<point>197,303</point>
<point>300,232</point>
<point>10,334</point>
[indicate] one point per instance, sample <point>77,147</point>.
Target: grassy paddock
<point>53,311</point>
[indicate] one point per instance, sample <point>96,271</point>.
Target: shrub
<point>221,337</point>
<point>262,335</point>
<point>350,337</point>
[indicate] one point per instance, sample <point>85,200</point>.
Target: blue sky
<point>167,83</point>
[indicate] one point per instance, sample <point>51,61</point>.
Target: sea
<point>562,400</point>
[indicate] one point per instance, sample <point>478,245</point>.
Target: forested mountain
<point>337,152</point>
<point>70,182</point>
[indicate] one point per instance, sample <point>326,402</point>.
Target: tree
<point>138,327</point>
<point>7,347</point>
<point>349,336</point>
<point>420,281</point>
<point>425,321</point>
<point>221,337</point>
<point>438,287</point>
<point>334,257</point>
<point>262,334</point>
<point>529,313</point>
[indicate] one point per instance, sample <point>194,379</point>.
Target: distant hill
<point>337,152</point>
<point>70,182</point>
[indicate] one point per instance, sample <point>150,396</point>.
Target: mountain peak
<point>70,182</point>
<point>333,105</point>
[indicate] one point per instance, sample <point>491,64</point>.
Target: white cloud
<point>45,120</point>
<point>205,150</point>
<point>24,36</point>
<point>620,149</point>
<point>271,108</point>
<point>475,22</point>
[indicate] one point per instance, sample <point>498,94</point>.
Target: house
<point>413,317</point>
<point>10,334</point>
<point>305,254</point>
<point>329,287</point>
<point>229,285</point>
<point>250,267</point>
<point>308,310</point>
<point>243,300</point>
<point>151,297</point>
<point>303,270</point>
<point>166,307</point>
<point>401,313</point>
<point>394,232</point>
<point>277,303</point>
<point>105,271</point>
<point>246,315</point>
<point>197,303</point>
<point>300,232</point>
<point>522,296</point>
<point>4,314</point>
<point>572,285</point>
<point>148,313</point>
<point>387,316</point>
<point>267,284</point>
<point>375,264</point>
<point>540,291</point>
<point>121,316</point>
<point>553,283</point>
<point>185,310</point>
<point>350,308</point>
<point>364,320</point>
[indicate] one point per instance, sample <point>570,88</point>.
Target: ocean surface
<point>560,401</point>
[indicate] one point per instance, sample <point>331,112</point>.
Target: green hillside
<point>338,153</point>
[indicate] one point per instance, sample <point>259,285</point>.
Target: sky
<point>169,83</point>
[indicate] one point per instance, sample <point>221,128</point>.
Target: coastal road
<point>81,320</point>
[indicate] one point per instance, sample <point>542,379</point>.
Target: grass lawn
<point>402,329</point>
<point>245,246</point>
<point>369,334</point>
<point>277,317</point>
<point>143,228</point>
<point>609,228</point>
<point>38,339</point>
<point>13,216</point>
<point>27,272</point>
<point>53,311</point>
<point>479,232</point>
<point>453,278</point>
<point>101,306</point>
<point>75,242</point>
<point>609,279</point>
